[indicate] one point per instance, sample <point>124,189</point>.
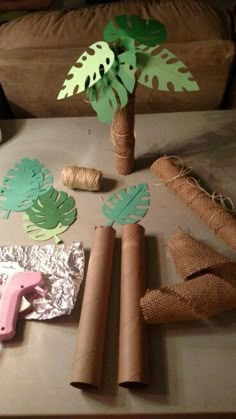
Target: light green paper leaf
<point>40,234</point>
<point>111,91</point>
<point>146,31</point>
<point>163,65</point>
<point>22,185</point>
<point>127,206</point>
<point>89,68</point>
<point>53,208</point>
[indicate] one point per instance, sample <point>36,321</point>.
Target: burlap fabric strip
<point>217,218</point>
<point>209,286</point>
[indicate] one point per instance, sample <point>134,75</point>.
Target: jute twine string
<point>210,208</point>
<point>209,286</point>
<point>82,178</point>
<point>214,196</point>
<point>183,171</point>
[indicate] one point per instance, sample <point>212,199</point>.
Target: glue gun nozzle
<point>41,291</point>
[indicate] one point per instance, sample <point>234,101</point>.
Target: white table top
<point>193,365</point>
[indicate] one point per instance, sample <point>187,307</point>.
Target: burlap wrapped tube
<point>211,212</point>
<point>122,133</point>
<point>209,286</point>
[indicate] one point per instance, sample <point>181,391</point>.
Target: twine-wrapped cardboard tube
<point>209,286</point>
<point>122,133</point>
<point>132,342</point>
<point>217,218</point>
<point>88,359</point>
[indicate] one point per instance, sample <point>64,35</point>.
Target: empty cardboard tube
<point>88,360</point>
<point>132,340</point>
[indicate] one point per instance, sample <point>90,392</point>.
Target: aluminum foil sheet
<point>62,268</point>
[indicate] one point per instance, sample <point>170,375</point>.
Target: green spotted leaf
<point>127,206</point>
<point>88,69</point>
<point>162,65</point>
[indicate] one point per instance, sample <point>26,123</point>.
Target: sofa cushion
<point>185,20</point>
<point>32,81</point>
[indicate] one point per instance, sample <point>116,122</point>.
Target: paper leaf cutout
<point>41,234</point>
<point>89,68</point>
<point>22,185</point>
<point>127,206</point>
<point>163,65</point>
<point>111,91</point>
<point>149,32</point>
<point>53,208</point>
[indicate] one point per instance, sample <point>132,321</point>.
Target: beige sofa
<point>37,50</point>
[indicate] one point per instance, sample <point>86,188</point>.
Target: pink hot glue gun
<point>21,284</point>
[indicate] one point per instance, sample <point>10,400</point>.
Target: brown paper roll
<point>122,133</point>
<point>213,214</point>
<point>132,342</point>
<point>209,288</point>
<point>87,366</point>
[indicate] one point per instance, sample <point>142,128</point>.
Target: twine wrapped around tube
<point>122,134</point>
<point>82,178</point>
<point>209,286</point>
<point>217,218</point>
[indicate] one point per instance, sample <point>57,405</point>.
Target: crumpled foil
<point>62,268</point>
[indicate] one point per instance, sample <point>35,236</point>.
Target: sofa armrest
<point>5,110</point>
<point>230,99</point>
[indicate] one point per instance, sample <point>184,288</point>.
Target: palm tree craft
<point>109,71</point>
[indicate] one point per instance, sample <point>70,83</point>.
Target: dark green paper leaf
<point>52,208</point>
<point>112,90</point>
<point>149,32</point>
<point>127,206</point>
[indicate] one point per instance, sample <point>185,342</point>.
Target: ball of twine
<point>82,178</point>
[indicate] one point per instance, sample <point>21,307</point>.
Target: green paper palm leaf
<point>53,208</point>
<point>22,185</point>
<point>89,68</point>
<point>112,90</point>
<point>127,206</point>
<point>40,234</point>
<point>163,65</point>
<point>149,32</point>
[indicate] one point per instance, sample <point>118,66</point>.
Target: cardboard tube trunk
<point>88,359</point>
<point>122,132</point>
<point>132,341</point>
